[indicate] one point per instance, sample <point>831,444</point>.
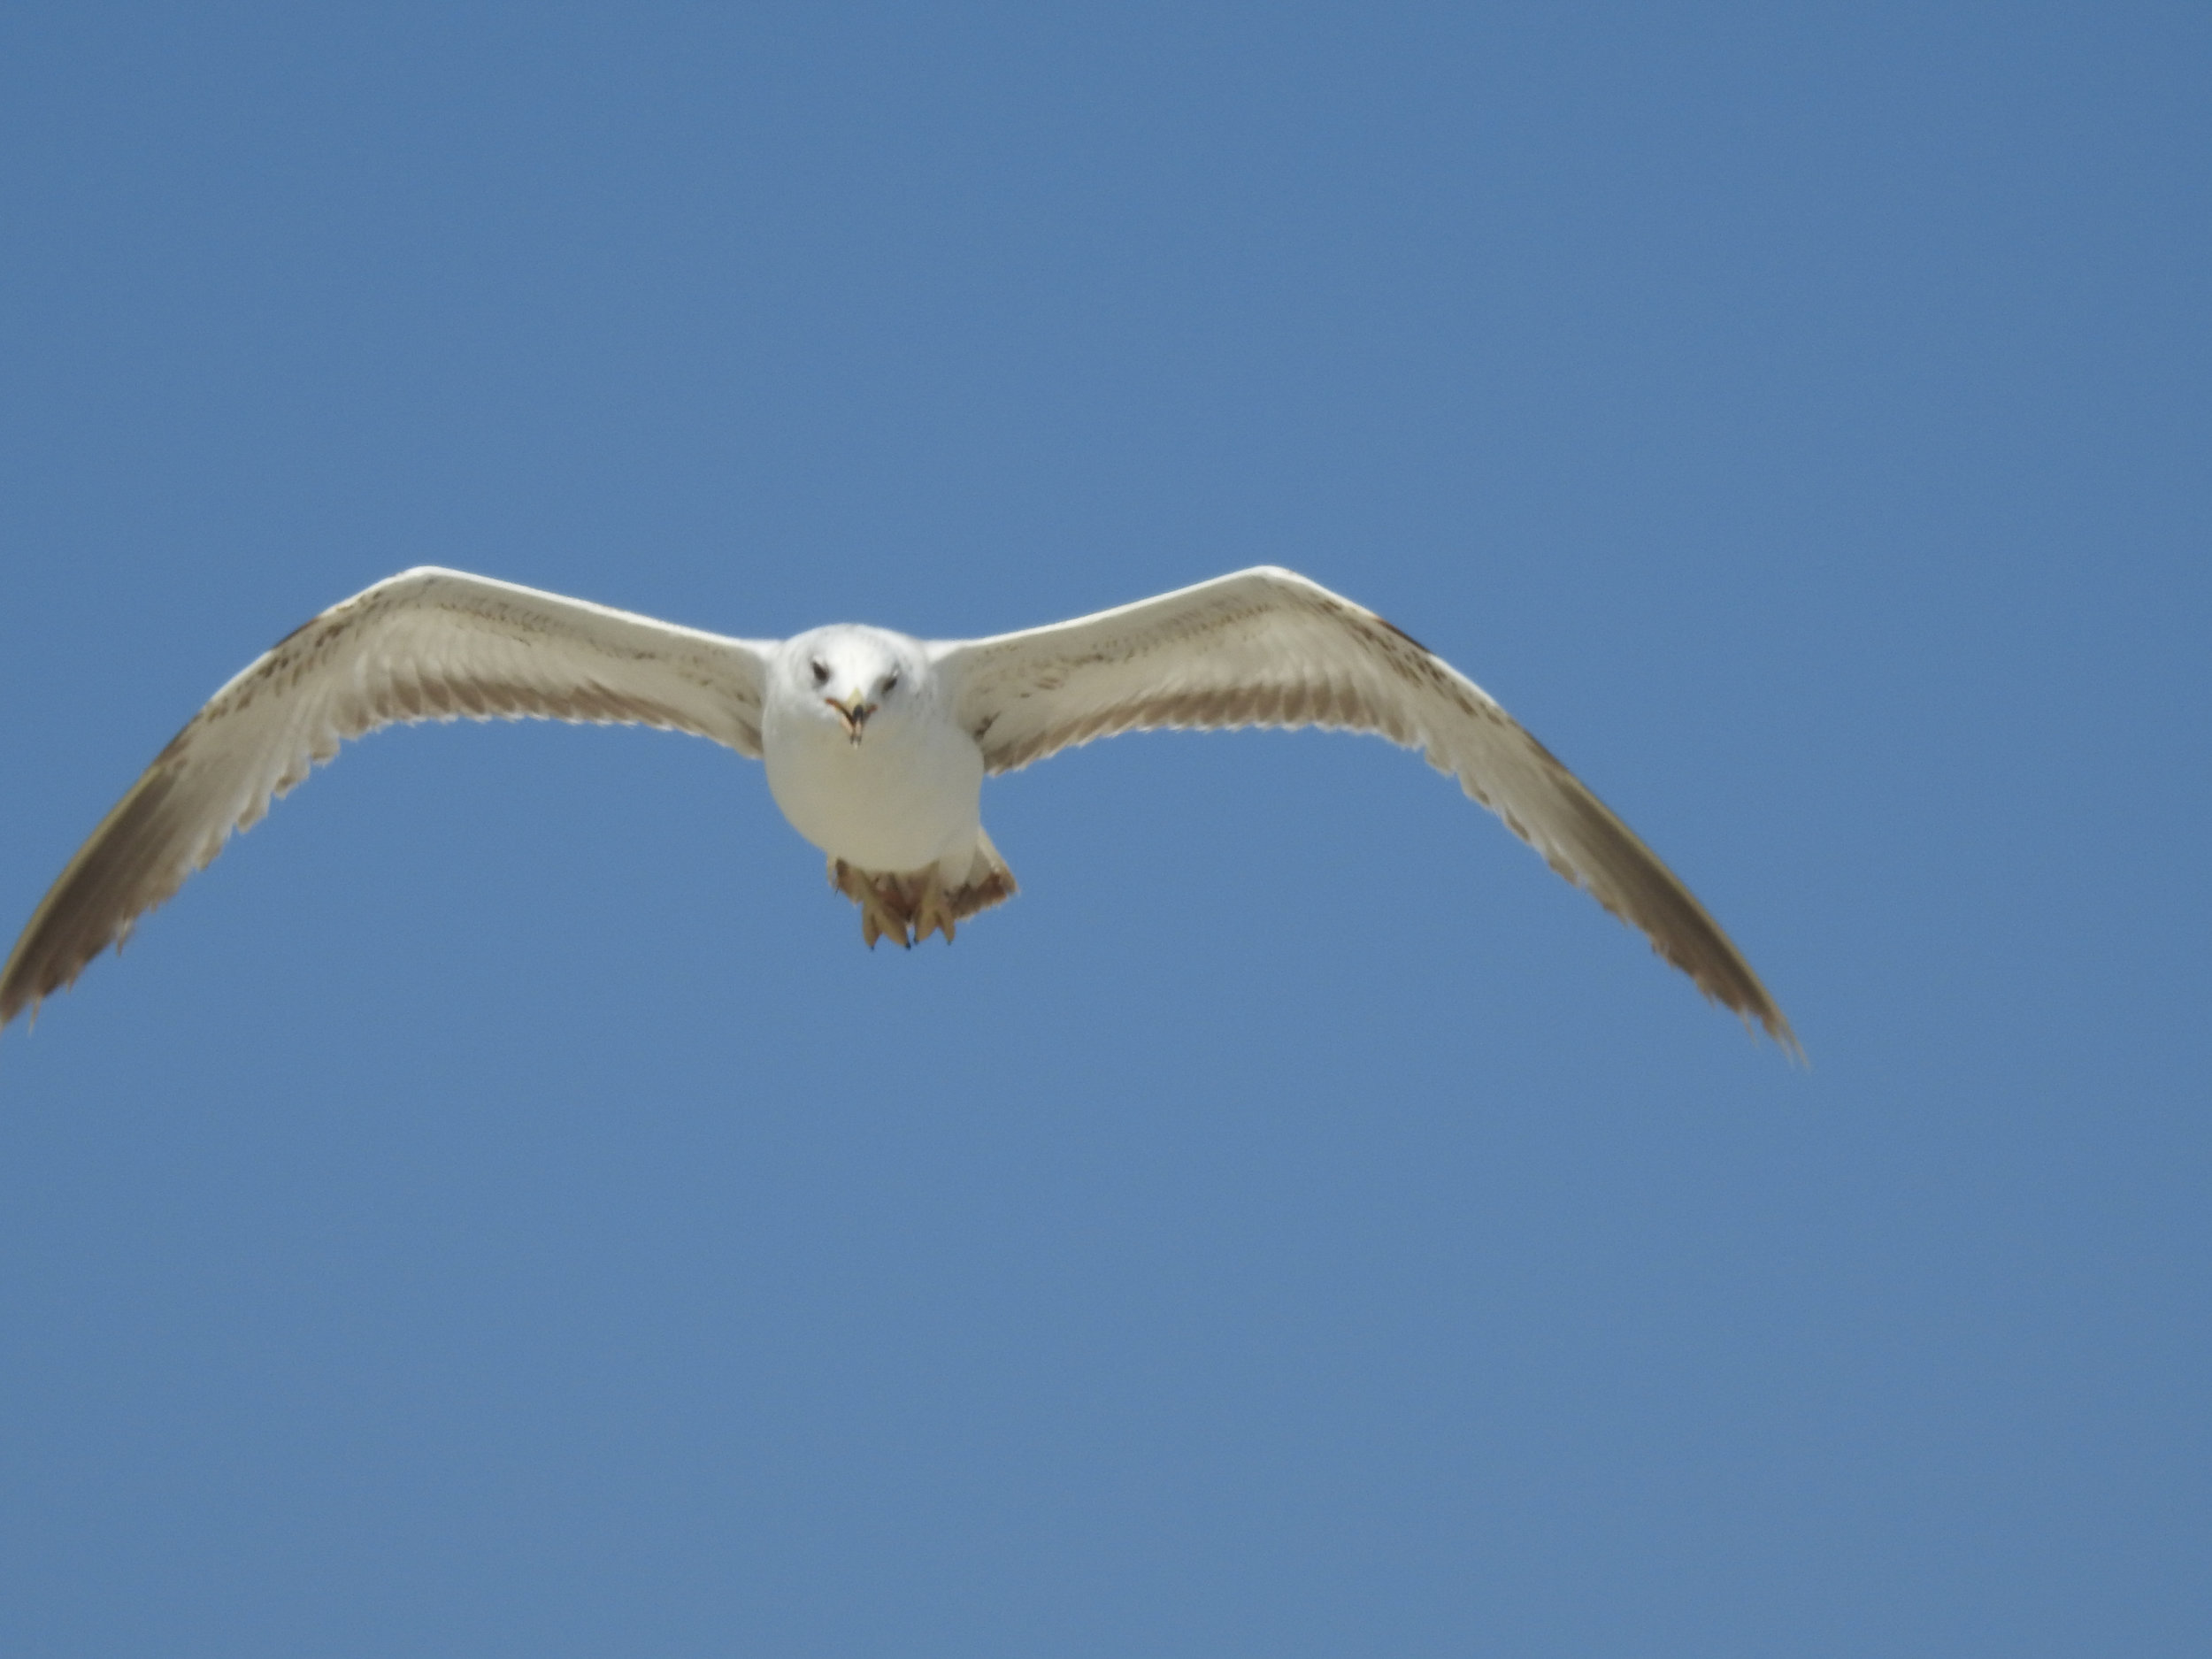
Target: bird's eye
<point>890,681</point>
<point>821,672</point>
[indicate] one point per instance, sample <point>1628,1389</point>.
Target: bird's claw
<point>882,915</point>
<point>932,913</point>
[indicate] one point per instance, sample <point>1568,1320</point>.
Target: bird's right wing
<point>426,645</point>
<point>1268,647</point>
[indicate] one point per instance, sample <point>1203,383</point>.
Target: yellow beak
<point>855,709</point>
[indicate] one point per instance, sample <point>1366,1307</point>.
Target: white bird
<point>876,744</point>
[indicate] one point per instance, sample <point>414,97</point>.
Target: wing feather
<point>426,645</point>
<point>1267,646</point>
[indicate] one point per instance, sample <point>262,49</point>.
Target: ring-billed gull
<point>876,744</point>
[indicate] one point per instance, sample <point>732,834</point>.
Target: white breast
<point>904,796</point>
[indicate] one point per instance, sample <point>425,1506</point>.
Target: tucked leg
<point>881,916</point>
<point>932,910</point>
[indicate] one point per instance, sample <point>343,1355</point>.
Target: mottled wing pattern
<point>1268,648</point>
<point>426,645</point>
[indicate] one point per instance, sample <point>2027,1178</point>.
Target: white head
<point>846,675</point>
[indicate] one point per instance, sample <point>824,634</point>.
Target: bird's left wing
<point>1267,646</point>
<point>426,645</point>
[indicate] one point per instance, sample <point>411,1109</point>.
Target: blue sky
<point>500,1209</point>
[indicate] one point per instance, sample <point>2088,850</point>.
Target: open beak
<point>854,711</point>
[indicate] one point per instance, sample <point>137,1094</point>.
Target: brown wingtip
<point>1724,977</point>
<point>116,876</point>
<point>1710,960</point>
<point>1748,1000</point>
<point>1768,1018</point>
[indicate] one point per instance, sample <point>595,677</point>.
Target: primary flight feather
<point>876,744</point>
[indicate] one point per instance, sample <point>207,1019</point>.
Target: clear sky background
<point>499,1208</point>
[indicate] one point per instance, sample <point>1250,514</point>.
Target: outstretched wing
<point>1266,647</point>
<point>426,645</point>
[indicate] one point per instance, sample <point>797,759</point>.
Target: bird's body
<point>909,794</point>
<point>868,760</point>
<point>876,744</point>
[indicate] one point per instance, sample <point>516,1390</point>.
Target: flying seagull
<point>876,744</point>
